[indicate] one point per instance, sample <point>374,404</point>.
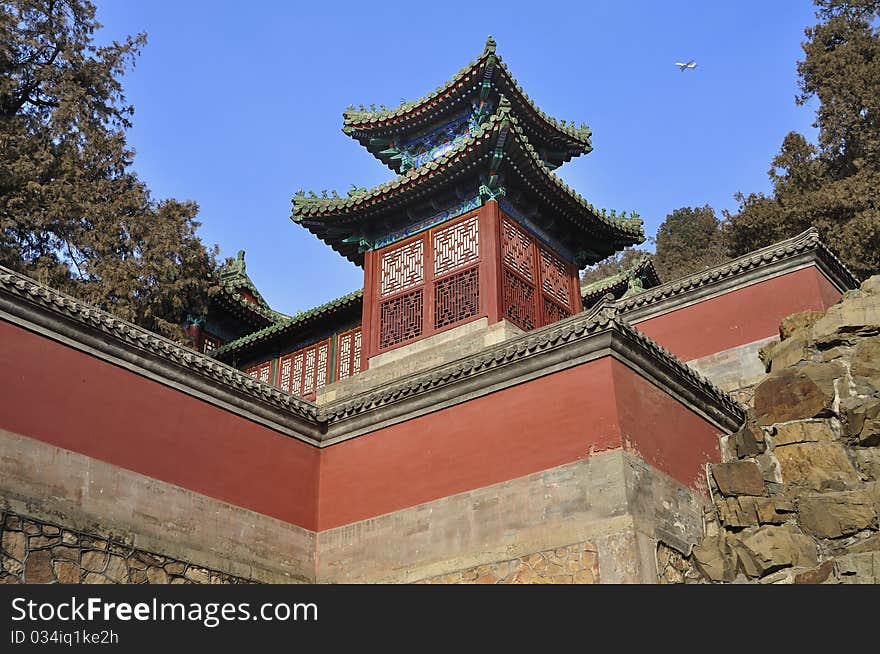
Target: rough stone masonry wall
<point>575,564</point>
<point>37,552</point>
<point>797,496</point>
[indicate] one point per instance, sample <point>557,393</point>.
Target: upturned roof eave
<point>362,126</point>
<point>644,266</point>
<point>252,341</point>
<point>318,215</point>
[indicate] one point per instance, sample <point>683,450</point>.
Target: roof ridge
<point>593,288</point>
<point>291,321</point>
<point>806,240</point>
<point>604,315</point>
<point>143,339</point>
<point>581,134</point>
<point>499,119</point>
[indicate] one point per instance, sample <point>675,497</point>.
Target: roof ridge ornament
<point>490,45</point>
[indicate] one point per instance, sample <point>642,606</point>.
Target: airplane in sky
<point>683,67</point>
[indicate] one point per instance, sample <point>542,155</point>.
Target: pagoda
<point>476,224</point>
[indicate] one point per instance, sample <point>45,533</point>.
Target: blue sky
<point>238,105</point>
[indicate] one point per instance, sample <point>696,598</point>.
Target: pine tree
<point>690,239</point>
<point>835,184</point>
<point>72,213</point>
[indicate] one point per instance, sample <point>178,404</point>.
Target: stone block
<point>94,560</point>
<point>832,515</point>
<point>865,360</point>
<point>798,321</point>
<point>156,575</point>
<point>797,393</point>
<point>861,568</point>
<point>857,314</point>
<point>790,351</point>
<point>117,570</point>
<point>197,575</point>
<point>749,440</point>
<point>38,568</point>
<point>869,544</point>
<point>816,466</point>
<point>806,431</point>
<point>862,421</point>
<point>765,549</point>
<point>738,478</point>
<point>66,553</point>
<point>817,575</point>
<point>14,544</point>
<point>737,512</point>
<point>767,512</point>
<point>66,572</point>
<point>714,558</point>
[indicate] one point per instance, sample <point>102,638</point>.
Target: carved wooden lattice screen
<point>348,354</point>
<point>556,282</point>
<point>456,251</point>
<point>429,284</point>
<point>535,283</point>
<point>305,371</point>
<point>261,371</point>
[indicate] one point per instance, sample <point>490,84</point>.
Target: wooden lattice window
<point>402,319</point>
<point>519,302</point>
<point>261,371</point>
<point>517,250</point>
<point>518,276</point>
<point>305,371</point>
<point>456,246</point>
<point>456,297</point>
<point>555,279</point>
<point>429,283</point>
<point>456,254</point>
<point>536,283</point>
<point>348,354</point>
<point>554,312</point>
<point>403,267</point>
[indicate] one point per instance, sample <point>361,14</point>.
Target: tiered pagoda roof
<point>288,328</point>
<point>625,282</point>
<point>477,138</point>
<point>237,293</point>
<point>481,83</point>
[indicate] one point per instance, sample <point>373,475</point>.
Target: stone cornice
<point>787,256</point>
<point>41,309</point>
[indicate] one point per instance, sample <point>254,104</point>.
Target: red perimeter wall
<point>740,317</point>
<point>544,423</point>
<point>75,401</point>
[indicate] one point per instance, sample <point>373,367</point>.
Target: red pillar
<point>367,329</point>
<point>490,253</point>
<point>194,331</point>
<point>577,301</point>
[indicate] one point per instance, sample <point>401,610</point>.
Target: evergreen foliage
<point>690,239</point>
<point>833,185</point>
<point>72,212</point>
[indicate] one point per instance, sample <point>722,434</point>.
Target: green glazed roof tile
<point>354,120</point>
<point>644,266</point>
<point>323,208</point>
<point>288,324</point>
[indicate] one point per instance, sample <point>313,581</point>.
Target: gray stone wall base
<point>81,493</point>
